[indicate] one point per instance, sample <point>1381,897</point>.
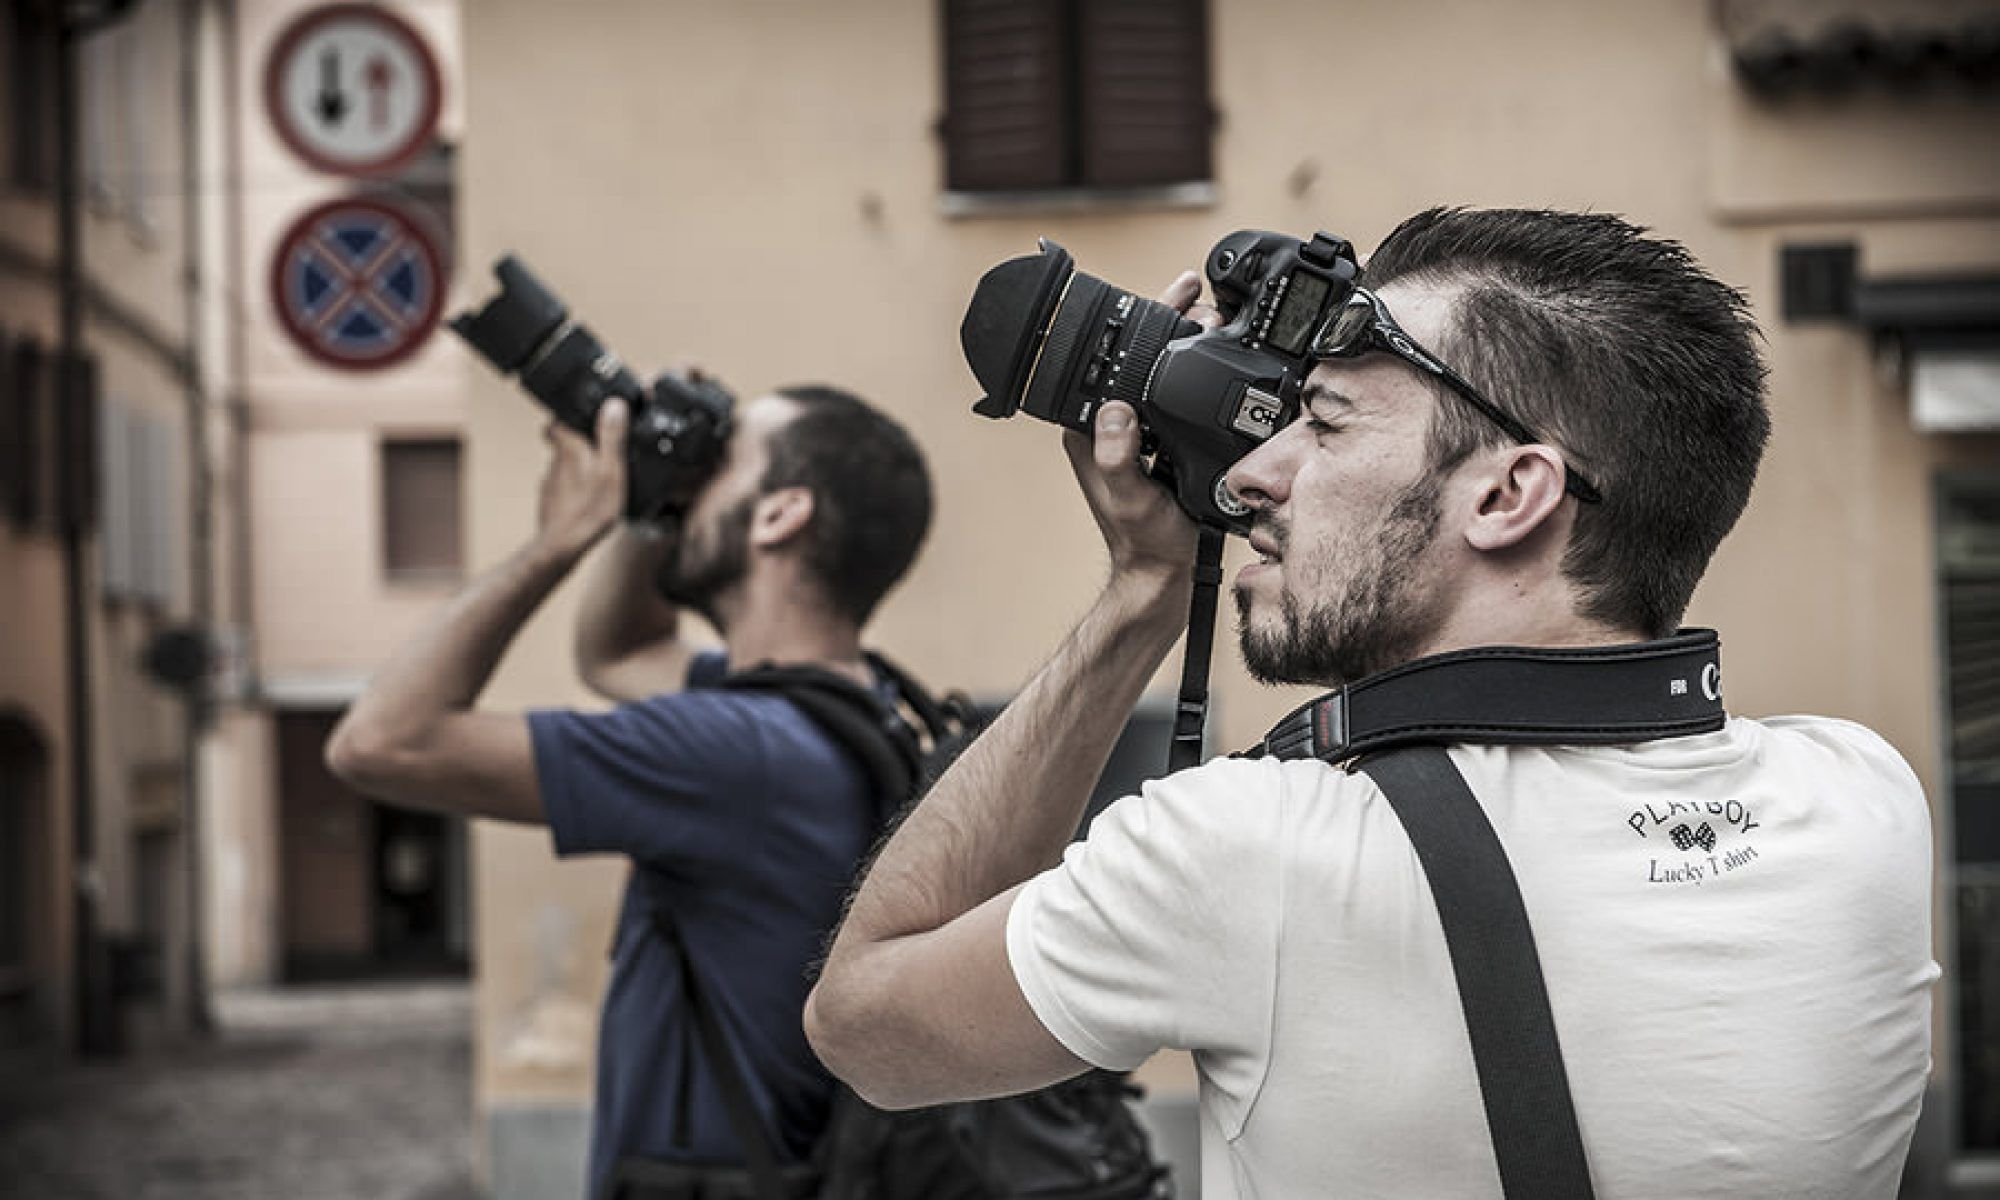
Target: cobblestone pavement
<point>357,1093</point>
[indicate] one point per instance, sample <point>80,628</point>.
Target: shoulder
<point>1838,744</point>
<point>1228,807</point>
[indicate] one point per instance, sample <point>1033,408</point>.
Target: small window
<point>421,537</point>
<point>1076,95</point>
<point>76,436</point>
<point>23,418</point>
<point>31,71</point>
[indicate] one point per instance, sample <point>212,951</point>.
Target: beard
<point>701,568</point>
<point>1383,618</point>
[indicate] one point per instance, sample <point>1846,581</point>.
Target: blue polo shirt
<point>747,822</point>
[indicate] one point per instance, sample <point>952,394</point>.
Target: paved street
<point>357,1093</point>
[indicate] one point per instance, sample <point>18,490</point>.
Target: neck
<point>1522,613</point>
<point>783,621</point>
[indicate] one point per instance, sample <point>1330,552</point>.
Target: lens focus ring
<point>1153,326</point>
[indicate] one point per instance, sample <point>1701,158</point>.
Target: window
<point>420,509</point>
<point>31,98</point>
<point>1969,560</point>
<point>23,416</point>
<point>76,507</point>
<point>139,458</point>
<point>1075,95</point>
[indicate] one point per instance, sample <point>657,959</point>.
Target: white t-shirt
<point>1735,930</point>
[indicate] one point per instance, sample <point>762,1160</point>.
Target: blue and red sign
<point>358,283</point>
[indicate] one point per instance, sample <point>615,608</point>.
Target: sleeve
<point>1160,930</point>
<point>665,780</point>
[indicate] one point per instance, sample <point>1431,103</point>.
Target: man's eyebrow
<point>1315,394</point>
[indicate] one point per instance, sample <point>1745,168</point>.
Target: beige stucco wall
<point>755,187</point>
<point>323,614</point>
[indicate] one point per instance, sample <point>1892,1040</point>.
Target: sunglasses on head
<point>1363,325</point>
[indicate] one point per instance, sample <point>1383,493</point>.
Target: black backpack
<point>1075,1140</point>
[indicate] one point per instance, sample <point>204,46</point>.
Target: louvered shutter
<point>76,445</point>
<point>1007,95</point>
<point>24,451</point>
<point>1143,77</point>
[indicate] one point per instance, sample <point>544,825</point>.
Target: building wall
<point>755,188</point>
<point>300,559</point>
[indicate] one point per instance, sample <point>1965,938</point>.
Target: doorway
<point>368,891</point>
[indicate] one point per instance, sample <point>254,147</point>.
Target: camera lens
<point>1006,321</point>
<point>1042,336</point>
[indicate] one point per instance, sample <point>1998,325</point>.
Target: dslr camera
<point>1043,337</point>
<point>679,426</point>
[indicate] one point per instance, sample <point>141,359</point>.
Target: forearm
<point>442,669</point>
<point>1011,803</point>
<point>627,641</point>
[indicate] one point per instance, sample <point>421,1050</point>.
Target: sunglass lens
<point>1346,330</point>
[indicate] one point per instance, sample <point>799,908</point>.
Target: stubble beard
<point>1381,619</point>
<point>701,569</point>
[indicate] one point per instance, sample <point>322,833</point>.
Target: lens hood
<point>1006,322</point>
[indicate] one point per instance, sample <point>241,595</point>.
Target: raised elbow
<point>361,758</point>
<point>851,1046</point>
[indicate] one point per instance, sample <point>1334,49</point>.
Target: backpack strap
<point>751,1136</point>
<point>1500,986</point>
<point>870,729</point>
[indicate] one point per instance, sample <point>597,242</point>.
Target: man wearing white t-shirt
<point>1733,926</point>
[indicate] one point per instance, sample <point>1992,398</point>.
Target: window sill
<point>1074,200</point>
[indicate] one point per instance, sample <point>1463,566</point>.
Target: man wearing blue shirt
<point>743,819</point>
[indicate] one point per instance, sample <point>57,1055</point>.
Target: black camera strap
<point>1591,695</point>
<point>1191,713</point>
<point>1522,1081</point>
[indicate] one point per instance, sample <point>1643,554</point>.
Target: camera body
<point>1047,339</point>
<point>679,427</point>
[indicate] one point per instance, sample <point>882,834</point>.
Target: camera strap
<point>1591,695</point>
<point>1191,712</point>
<point>1522,1081</point>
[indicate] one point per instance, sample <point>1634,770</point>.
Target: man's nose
<point>1261,478</point>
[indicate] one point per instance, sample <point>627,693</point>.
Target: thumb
<point>1116,445</point>
<point>613,418</point>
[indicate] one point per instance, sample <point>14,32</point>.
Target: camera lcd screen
<point>1293,323</point>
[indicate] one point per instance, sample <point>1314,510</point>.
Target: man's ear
<point>1520,492</point>
<point>779,516</point>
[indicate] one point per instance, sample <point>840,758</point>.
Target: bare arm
<point>628,644</point>
<point>918,1003</point>
<point>413,737</point>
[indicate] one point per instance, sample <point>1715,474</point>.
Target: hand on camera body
<point>583,486</point>
<point>1147,533</point>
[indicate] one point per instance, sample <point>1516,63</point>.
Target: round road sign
<point>357,283</point>
<point>353,89</point>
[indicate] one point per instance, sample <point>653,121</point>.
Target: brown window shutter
<point>25,451</point>
<point>1143,75</point>
<point>31,77</point>
<point>11,458</point>
<point>1007,95</point>
<point>76,445</point>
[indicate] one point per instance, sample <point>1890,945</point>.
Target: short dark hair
<point>871,493</point>
<point>1629,357</point>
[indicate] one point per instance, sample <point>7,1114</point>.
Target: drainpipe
<point>97,1025</point>
<point>199,710</point>
<point>96,1018</point>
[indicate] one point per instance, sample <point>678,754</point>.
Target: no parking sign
<point>357,283</point>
